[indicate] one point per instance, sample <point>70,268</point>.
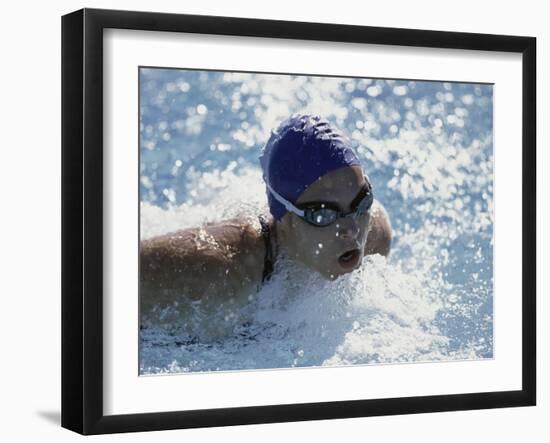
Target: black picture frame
<point>82,218</point>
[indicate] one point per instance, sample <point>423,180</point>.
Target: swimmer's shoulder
<point>236,232</point>
<point>380,233</point>
<point>243,237</point>
<point>233,246</point>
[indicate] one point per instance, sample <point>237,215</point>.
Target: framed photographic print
<point>269,221</point>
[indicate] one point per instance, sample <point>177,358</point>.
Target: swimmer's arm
<point>210,261</point>
<point>380,235</point>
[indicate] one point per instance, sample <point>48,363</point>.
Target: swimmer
<point>323,215</point>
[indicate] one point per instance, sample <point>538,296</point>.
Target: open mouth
<point>349,259</point>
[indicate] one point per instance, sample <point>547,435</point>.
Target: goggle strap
<point>288,205</point>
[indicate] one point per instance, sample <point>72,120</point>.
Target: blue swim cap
<point>301,150</point>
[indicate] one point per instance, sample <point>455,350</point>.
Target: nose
<point>347,228</point>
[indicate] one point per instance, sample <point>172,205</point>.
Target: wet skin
<point>219,267</point>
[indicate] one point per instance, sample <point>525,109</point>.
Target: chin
<point>337,270</point>
<point>333,275</point>
<point>340,270</point>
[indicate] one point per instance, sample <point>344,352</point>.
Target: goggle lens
<point>327,216</point>
<point>321,217</point>
<point>365,204</point>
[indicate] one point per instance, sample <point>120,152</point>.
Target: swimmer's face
<point>335,249</point>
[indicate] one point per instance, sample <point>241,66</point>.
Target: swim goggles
<point>324,214</point>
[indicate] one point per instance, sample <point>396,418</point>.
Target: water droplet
<point>400,90</point>
<point>184,86</point>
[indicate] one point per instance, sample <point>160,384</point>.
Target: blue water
<point>428,149</point>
